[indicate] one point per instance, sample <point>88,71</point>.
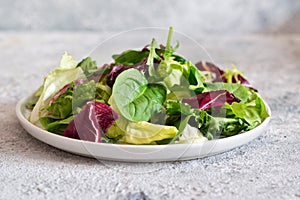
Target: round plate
<point>136,153</point>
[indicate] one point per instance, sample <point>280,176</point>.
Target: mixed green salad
<point>147,96</point>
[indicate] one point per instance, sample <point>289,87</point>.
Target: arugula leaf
<point>130,57</point>
<point>135,98</point>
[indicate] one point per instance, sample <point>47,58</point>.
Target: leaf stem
<point>168,45</point>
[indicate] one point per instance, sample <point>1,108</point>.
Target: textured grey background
<point>33,36</point>
<point>192,17</point>
<point>266,168</point>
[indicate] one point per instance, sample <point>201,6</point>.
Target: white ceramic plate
<point>136,153</point>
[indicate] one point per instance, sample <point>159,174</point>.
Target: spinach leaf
<point>130,57</point>
<point>135,98</point>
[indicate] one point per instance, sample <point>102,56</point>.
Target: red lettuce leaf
<point>218,74</point>
<point>92,122</point>
<point>214,99</point>
<point>118,69</point>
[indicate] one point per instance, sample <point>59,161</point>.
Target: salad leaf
<point>191,135</point>
<point>84,93</point>
<point>58,78</point>
<point>103,92</point>
<point>174,107</point>
<point>215,127</point>
<point>175,73</point>
<point>217,73</point>
<point>227,76</point>
<point>61,103</point>
<point>130,57</point>
<point>92,122</point>
<point>116,70</point>
<point>152,56</point>
<point>241,92</point>
<point>236,76</point>
<point>88,66</point>
<point>71,97</point>
<point>147,133</point>
<point>195,78</point>
<point>55,125</point>
<point>213,99</point>
<point>67,62</point>
<point>135,98</point>
<point>253,112</point>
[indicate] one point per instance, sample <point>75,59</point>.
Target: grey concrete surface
<point>266,168</point>
<point>191,17</point>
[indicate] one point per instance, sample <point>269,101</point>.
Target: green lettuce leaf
<point>191,135</point>
<point>57,79</point>
<point>55,125</point>
<point>84,93</point>
<point>62,107</point>
<point>88,66</point>
<point>216,127</point>
<point>253,112</point>
<point>238,90</point>
<point>147,133</point>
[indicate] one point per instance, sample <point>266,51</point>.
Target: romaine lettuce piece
<point>147,133</point>
<point>191,135</point>
<point>56,80</point>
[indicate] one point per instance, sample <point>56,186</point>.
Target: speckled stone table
<point>266,168</point>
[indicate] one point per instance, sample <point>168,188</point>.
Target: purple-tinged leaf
<point>60,92</point>
<point>92,122</point>
<point>214,99</point>
<point>215,71</point>
<point>219,75</point>
<point>118,69</point>
<point>65,88</point>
